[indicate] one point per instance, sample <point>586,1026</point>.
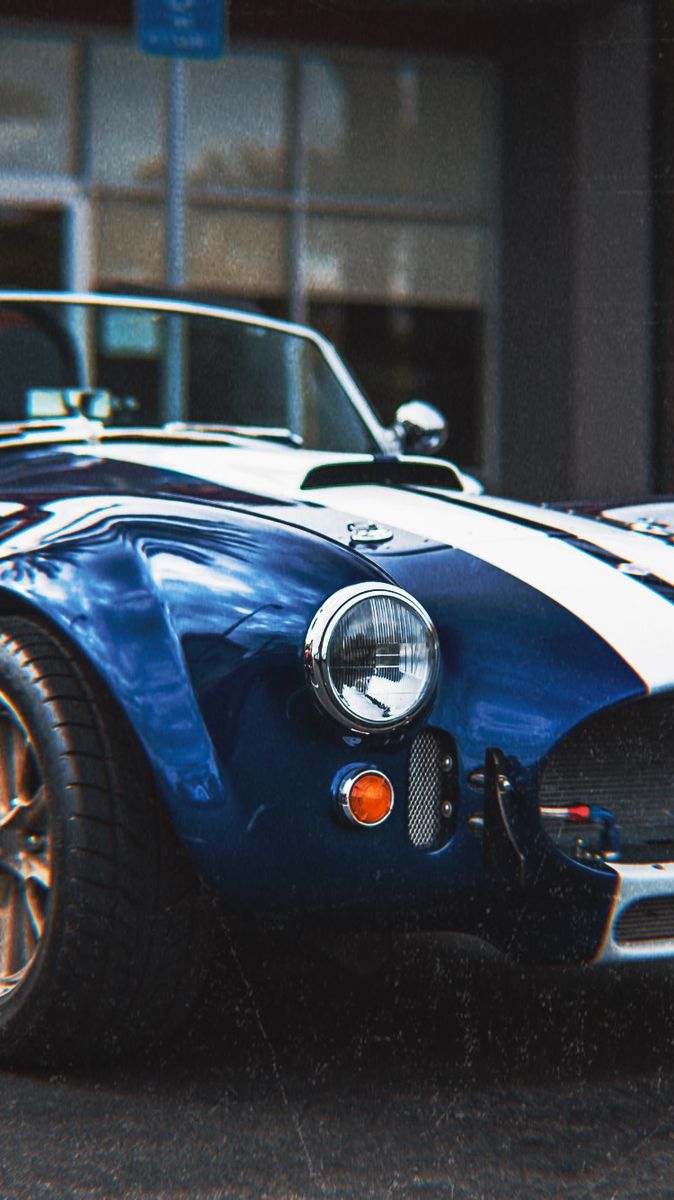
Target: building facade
<point>460,195</point>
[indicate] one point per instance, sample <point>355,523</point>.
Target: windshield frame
<point>384,439</point>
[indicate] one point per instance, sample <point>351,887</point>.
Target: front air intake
<point>430,790</point>
<point>648,920</point>
<point>622,761</point>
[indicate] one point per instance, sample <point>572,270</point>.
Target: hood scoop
<point>385,471</point>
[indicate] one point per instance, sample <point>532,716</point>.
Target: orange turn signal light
<point>366,798</point>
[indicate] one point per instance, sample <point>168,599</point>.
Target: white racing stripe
<point>642,549</point>
<point>635,621</point>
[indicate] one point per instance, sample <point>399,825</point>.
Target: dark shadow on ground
<point>448,1074</point>
<point>438,1007</point>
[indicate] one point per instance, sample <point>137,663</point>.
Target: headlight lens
<point>372,656</point>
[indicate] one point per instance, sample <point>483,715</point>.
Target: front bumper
<point>548,907</point>
<point>641,922</point>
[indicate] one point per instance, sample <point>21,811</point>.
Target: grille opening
<point>648,920</point>
<point>623,761</point>
<point>430,785</point>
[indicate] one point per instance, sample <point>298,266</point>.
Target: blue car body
<point>189,588</point>
<point>194,611</point>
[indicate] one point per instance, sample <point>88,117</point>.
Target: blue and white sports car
<point>253,647</point>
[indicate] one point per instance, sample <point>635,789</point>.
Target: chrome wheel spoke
<point>7,790</point>
<point>22,921</point>
<point>27,865</point>
<point>36,868</point>
<point>26,775</point>
<point>27,817</point>
<point>17,747</point>
<point>13,817</point>
<point>35,807</point>
<point>33,906</point>
<point>25,852</point>
<point>23,942</point>
<point>28,811</point>
<point>8,935</point>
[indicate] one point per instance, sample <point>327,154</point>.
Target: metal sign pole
<point>174,406</point>
<point>178,29</point>
<point>175,176</point>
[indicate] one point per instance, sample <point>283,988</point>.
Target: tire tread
<point>129,908</point>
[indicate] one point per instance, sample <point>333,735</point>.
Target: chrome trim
<point>345,788</point>
<point>265,432</point>
<point>318,639</point>
<point>637,881</point>
<point>629,568</point>
<point>420,426</point>
<point>368,533</point>
<point>477,780</point>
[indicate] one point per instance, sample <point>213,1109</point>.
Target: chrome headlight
<point>372,656</point>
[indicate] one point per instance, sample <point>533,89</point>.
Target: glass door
<point>31,247</point>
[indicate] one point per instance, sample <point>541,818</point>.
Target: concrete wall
<point>577,389</point>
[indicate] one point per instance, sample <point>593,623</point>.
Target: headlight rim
<point>317,640</point>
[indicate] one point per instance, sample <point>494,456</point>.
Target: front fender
<point>159,597</point>
<point>106,606</point>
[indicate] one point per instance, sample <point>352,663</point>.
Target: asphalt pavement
<point>448,1074</point>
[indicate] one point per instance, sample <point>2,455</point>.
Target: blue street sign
<point>181,28</point>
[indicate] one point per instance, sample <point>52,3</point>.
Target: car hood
<point>612,568</point>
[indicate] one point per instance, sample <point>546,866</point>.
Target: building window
<point>395,261</point>
<point>353,188</point>
<point>126,137</point>
<point>400,353</point>
<point>37,126</point>
<point>237,129</point>
<point>402,130</point>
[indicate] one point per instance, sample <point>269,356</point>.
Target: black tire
<point>104,937</point>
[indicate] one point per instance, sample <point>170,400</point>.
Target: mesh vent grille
<point>646,921</point>
<point>427,787</point>
<point>622,760</point>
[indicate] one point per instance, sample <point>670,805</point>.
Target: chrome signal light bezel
<point>345,791</point>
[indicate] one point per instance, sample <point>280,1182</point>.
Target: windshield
<point>151,366</point>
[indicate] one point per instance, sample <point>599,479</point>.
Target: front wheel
<point>103,933</point>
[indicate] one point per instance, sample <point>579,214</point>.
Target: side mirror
<point>94,403</point>
<point>420,427</point>
<point>56,403</point>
